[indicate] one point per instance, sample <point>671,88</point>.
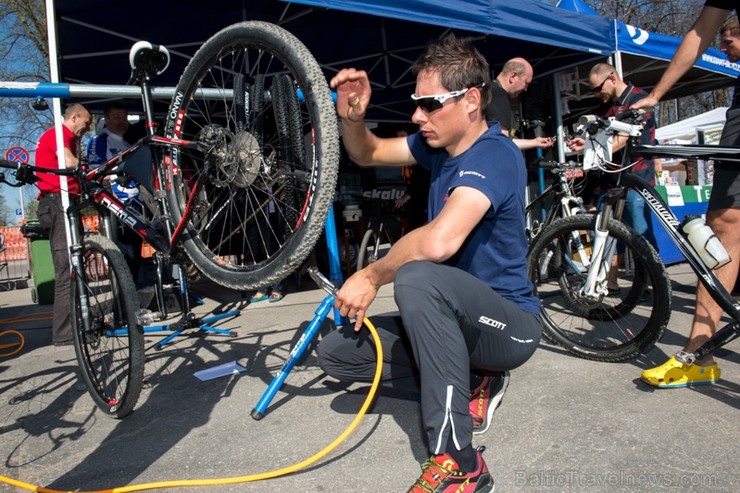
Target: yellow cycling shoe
<point>674,374</point>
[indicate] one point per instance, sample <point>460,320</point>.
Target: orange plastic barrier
<point>16,246</point>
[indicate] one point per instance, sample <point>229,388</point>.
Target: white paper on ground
<point>230,368</point>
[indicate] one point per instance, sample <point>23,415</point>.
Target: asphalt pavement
<point>565,424</point>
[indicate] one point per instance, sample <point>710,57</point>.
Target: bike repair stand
<point>335,275</point>
<point>188,320</point>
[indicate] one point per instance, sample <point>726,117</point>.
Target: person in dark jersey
<point>617,96</point>
<point>509,84</point>
<point>723,213</point>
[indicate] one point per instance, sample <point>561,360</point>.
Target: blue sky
<point>17,62</point>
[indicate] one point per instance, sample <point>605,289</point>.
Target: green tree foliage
<point>31,209</point>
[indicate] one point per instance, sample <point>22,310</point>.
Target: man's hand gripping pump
<point>309,333</point>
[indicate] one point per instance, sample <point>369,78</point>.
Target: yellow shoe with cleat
<point>674,374</point>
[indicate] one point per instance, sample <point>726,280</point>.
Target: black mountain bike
<point>572,261</point>
<point>251,122</point>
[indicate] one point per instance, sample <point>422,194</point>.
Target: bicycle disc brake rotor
<point>92,337</point>
<point>232,159</point>
<point>247,157</point>
<point>582,303</point>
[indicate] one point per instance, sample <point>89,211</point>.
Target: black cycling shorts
<point>726,183</point>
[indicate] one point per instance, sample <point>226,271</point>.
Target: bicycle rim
<point>269,145</point>
<point>368,249</point>
<point>111,352</point>
<point>614,325</point>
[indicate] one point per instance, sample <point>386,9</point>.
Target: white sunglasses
<point>436,101</point>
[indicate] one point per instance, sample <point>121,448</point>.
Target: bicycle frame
<point>671,225</point>
<point>161,177</point>
<point>107,203</point>
<point>568,204</point>
<point>669,222</point>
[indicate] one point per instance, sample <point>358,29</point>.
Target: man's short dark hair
<point>459,65</point>
<point>731,25</point>
<point>114,105</point>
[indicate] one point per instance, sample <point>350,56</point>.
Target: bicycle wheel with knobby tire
<point>614,325</point>
<point>257,103</point>
<point>368,253</point>
<point>110,342</point>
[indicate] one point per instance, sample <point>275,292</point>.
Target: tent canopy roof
<point>645,55</point>
<point>383,37</point>
<point>686,129</point>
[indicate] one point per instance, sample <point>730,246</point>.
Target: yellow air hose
<point>8,349</point>
<point>17,341</point>
<point>242,479</point>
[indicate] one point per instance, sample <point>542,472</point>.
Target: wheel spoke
<point>610,325</point>
<point>267,160</point>
<point>108,340</point>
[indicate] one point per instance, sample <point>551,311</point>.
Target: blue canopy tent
<point>523,20</point>
<point>642,57</point>
<point>643,52</point>
<point>383,37</point>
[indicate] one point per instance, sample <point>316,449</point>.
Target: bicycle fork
<point>603,248</point>
<point>77,273</point>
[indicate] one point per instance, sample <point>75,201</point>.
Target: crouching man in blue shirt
<point>468,314</point>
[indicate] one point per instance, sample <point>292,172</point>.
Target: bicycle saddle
<point>147,60</point>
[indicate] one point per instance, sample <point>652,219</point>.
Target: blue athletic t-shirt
<point>496,250</point>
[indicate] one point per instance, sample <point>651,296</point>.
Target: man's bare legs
<point>726,225</point>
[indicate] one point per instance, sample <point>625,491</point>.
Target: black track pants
<point>450,322</point>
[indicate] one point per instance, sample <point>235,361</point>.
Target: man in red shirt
<point>76,122</point>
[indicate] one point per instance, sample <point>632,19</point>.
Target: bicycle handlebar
<point>4,163</point>
<point>576,133</point>
<point>627,121</point>
<point>24,173</point>
<point>633,116</point>
<point>554,165</point>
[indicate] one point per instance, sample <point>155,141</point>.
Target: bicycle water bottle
<point>705,242</point>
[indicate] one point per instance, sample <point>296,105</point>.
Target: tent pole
<point>618,63</point>
<point>57,109</point>
<point>558,118</point>
<point>11,89</point>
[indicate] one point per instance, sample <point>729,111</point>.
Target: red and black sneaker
<point>486,398</point>
<point>440,474</point>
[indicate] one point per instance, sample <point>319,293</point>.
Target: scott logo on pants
<point>492,323</point>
